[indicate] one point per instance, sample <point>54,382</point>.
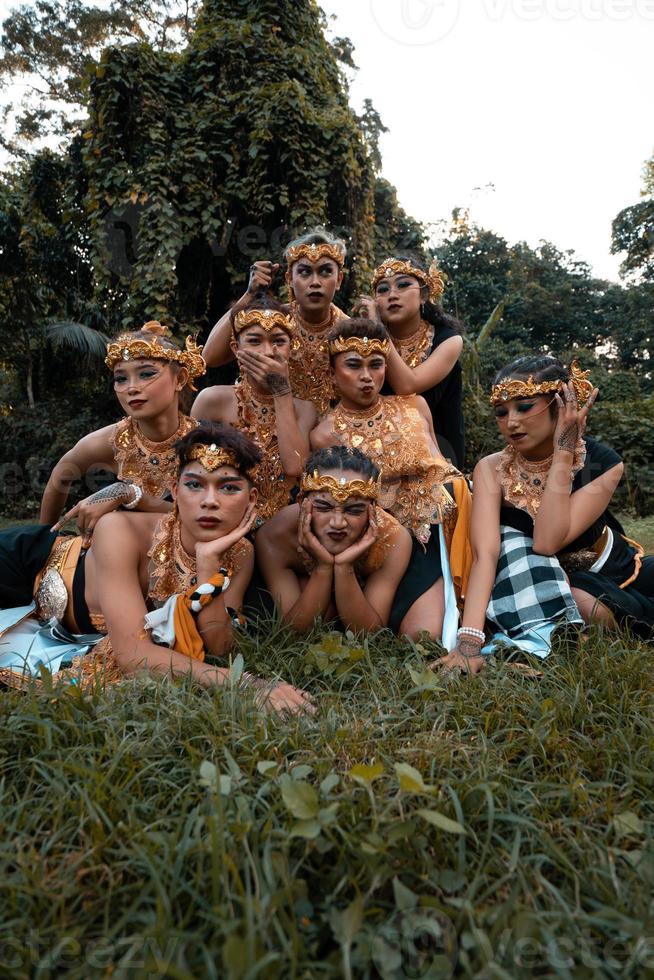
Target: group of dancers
<point>327,482</point>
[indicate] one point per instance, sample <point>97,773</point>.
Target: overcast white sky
<point>548,100</point>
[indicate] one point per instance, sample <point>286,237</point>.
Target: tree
<point>51,45</point>
<point>633,232</point>
<point>199,162</point>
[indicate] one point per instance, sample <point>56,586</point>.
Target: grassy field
<point>416,827</point>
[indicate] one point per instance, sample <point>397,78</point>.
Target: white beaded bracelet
<point>138,493</point>
<point>469,631</point>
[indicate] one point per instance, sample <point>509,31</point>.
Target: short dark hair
<point>357,326</point>
<point>246,453</point>
<point>342,458</point>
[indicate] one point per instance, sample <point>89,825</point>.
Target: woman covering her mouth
<point>547,549</point>
<point>150,372</point>
<point>261,403</point>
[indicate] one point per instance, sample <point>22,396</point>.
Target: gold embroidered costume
<point>523,481</point>
<point>392,434</point>
<point>152,465</point>
<point>256,418</point>
<point>418,346</point>
<point>308,364</point>
<point>173,570</point>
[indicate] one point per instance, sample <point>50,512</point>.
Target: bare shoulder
<point>277,539</point>
<point>213,403</point>
<point>485,475</point>
<point>124,533</point>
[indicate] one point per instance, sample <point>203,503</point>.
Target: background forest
<point>164,146</point>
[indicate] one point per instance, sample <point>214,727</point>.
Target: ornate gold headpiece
<point>127,347</point>
<point>340,489</point>
<point>319,250</point>
<point>396,267</point>
<point>364,346</point>
<point>513,388</point>
<point>267,319</point>
<point>212,456</point>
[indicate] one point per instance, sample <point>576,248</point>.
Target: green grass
<point>504,827</point>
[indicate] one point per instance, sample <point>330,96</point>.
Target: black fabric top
<point>599,459</point>
<point>445,404</point>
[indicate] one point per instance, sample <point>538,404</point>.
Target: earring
<point>422,309</point>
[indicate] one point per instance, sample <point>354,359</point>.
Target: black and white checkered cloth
<point>530,590</point>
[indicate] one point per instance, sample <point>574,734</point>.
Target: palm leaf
<point>77,337</point>
<point>490,324</point>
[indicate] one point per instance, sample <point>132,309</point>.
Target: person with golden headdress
<point>427,344</point>
<point>314,271</point>
<point>548,552</point>
<point>420,488</point>
<point>166,589</point>
<point>337,555</point>
<point>150,373</point>
<point>261,404</point>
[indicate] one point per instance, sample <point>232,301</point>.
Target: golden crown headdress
<point>364,346</point>
<point>127,347</point>
<point>213,456</point>
<point>314,252</point>
<point>341,489</point>
<point>267,319</point>
<point>433,279</point>
<point>510,388</point>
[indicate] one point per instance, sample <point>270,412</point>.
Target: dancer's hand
<point>466,657</point>
<point>271,372</point>
<point>89,511</point>
<point>308,540</point>
<point>365,306</point>
<point>208,553</point>
<point>571,421</point>
<point>365,542</point>
<point>262,274</point>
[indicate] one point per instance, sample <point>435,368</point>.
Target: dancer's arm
<point>93,450</point>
